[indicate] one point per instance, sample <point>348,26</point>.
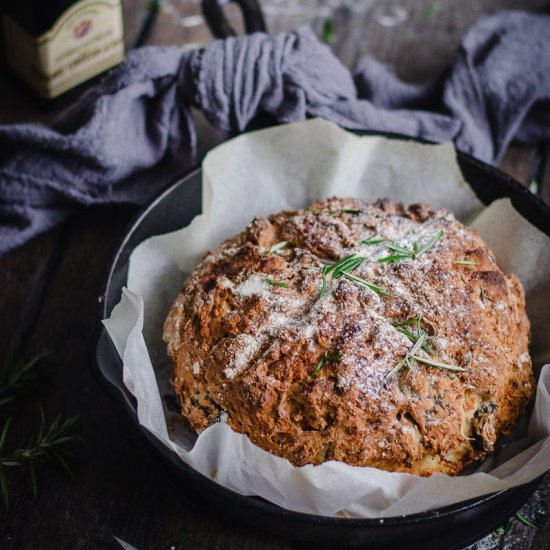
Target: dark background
<point>48,299</point>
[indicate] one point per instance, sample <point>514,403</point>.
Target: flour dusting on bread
<point>303,360</point>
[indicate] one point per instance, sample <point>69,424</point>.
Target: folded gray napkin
<point>122,139</point>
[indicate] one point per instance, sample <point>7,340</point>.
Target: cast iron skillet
<point>451,527</point>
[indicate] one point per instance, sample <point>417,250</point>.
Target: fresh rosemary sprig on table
<point>406,253</point>
<point>48,444</point>
<point>50,441</point>
<point>502,530</point>
<point>342,268</point>
<point>507,527</point>
<point>325,357</point>
<point>525,521</point>
<point>18,372</point>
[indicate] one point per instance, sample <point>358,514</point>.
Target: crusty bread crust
<point>245,350</point>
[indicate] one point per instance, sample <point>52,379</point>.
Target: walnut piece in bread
<point>317,363</point>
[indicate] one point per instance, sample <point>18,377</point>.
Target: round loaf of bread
<point>372,334</point>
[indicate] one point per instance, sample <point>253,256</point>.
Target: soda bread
<point>373,334</point>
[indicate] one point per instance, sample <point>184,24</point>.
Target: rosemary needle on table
<point>17,373</point>
<point>48,443</point>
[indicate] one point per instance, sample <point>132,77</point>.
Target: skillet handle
<point>219,25</point>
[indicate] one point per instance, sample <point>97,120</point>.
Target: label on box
<point>86,40</point>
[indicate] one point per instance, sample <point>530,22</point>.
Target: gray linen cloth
<point>123,137</point>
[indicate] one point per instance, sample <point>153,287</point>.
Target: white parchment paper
<point>288,167</point>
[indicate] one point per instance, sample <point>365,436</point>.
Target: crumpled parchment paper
<point>288,167</point>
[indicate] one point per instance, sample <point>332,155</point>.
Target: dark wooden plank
<point>24,274</point>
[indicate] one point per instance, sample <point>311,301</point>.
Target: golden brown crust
<point>244,350</point>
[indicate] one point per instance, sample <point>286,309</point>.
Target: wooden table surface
<point>48,299</point>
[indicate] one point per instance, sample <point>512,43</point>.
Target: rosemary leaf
<point>437,363</point>
<point>418,344</point>
<point>63,463</point>
<point>353,211</point>
<point>393,258</point>
<point>277,247</point>
<point>17,374</point>
<point>414,338</point>
<point>319,365</point>
<point>276,283</point>
<point>431,243</point>
<point>372,286</point>
<point>49,444</point>
<point>351,264</point>
<point>397,368</point>
<point>406,360</point>
<point>324,287</point>
<point>372,241</point>
<point>342,268</point>
<point>502,530</point>
<point>325,357</point>
<point>524,520</point>
<point>404,253</point>
<point>465,262</point>
<point>408,321</point>
<point>400,249</point>
<point>409,363</point>
<point>4,433</point>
